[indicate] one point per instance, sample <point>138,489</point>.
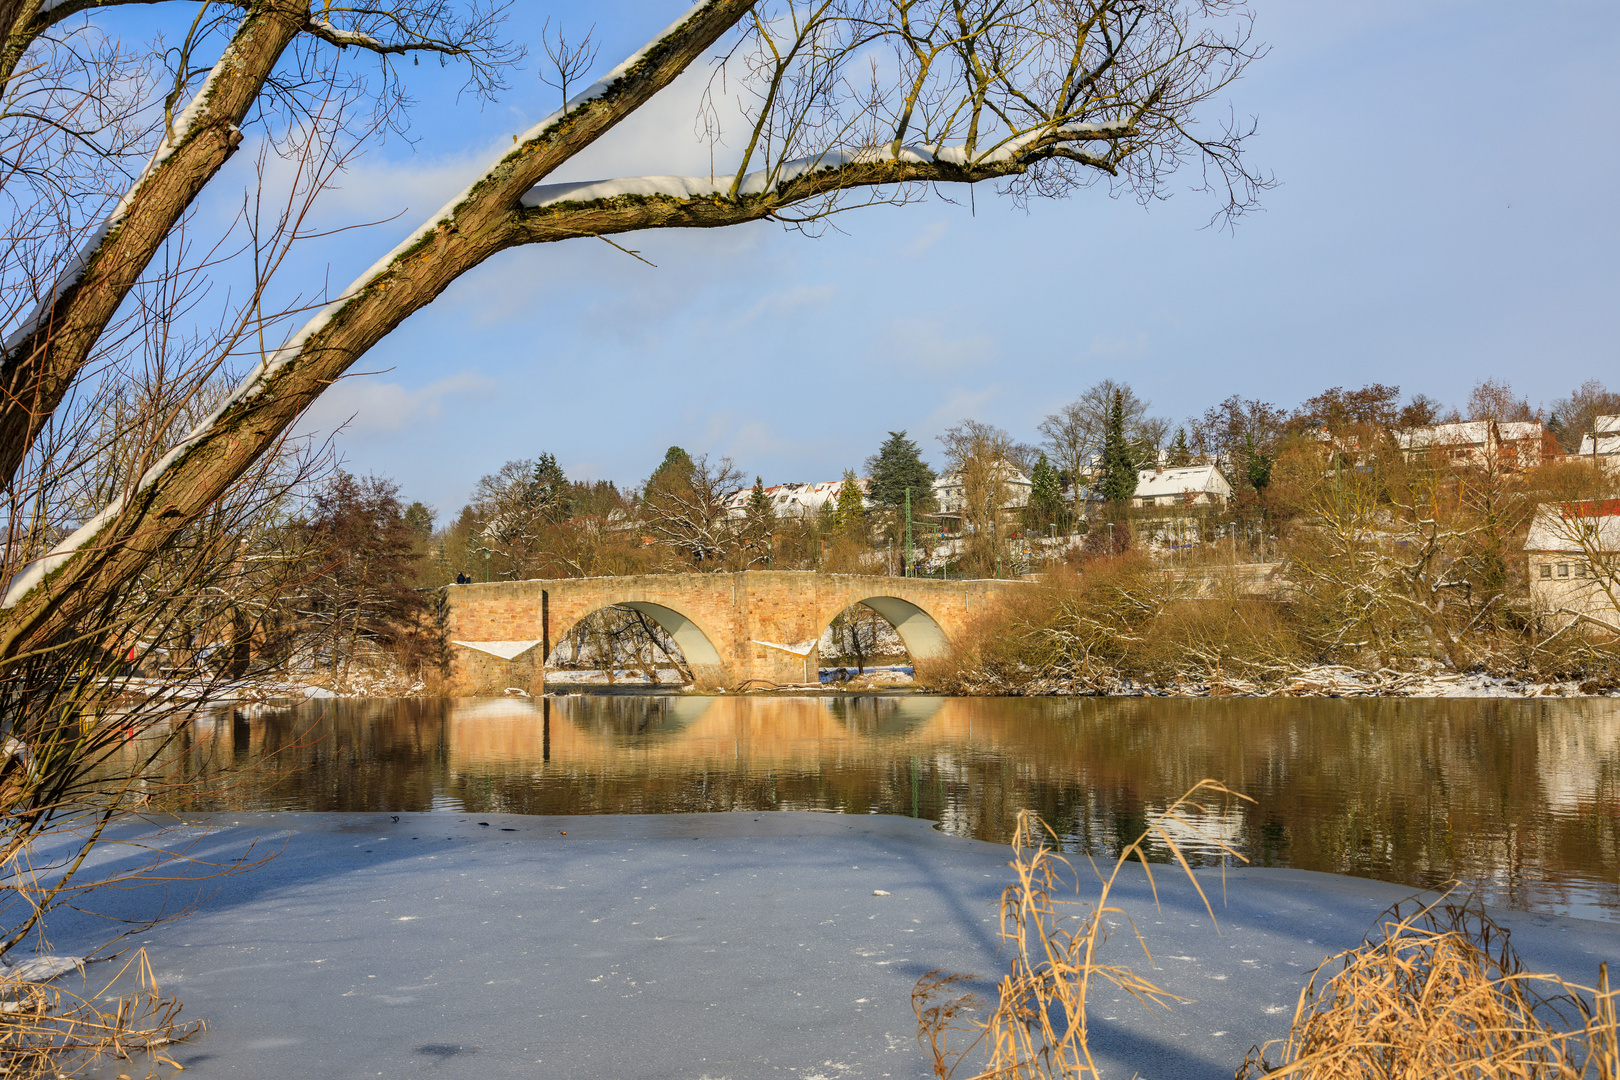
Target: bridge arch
<point>694,641</point>
<point>919,631</point>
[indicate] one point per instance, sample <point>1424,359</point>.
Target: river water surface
<point>1520,799</point>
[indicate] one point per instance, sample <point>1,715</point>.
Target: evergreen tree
<point>549,492</point>
<point>759,503</point>
<point>674,472</point>
<point>1045,493</point>
<point>1118,465</point>
<point>759,522</point>
<point>1180,452</point>
<point>851,510</point>
<point>897,466</point>
<point>827,519</point>
<point>1257,464</point>
<point>419,516</point>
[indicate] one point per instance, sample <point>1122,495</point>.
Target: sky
<point>1443,214</point>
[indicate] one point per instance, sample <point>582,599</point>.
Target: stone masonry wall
<point>735,612</point>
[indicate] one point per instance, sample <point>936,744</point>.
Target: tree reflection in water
<point>1519,797</point>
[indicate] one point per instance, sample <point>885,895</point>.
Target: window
<point>1580,569</point>
<point>1546,569</point>
<point>1563,569</point>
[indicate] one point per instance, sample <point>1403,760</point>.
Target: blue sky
<point>1444,213</point>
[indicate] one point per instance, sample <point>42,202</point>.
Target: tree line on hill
<point>334,569</point>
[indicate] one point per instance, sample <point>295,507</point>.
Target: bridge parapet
<point>757,624</point>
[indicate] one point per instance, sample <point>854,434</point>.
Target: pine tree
<point>1119,469</point>
<point>759,503</point>
<point>1180,452</point>
<point>1045,493</point>
<point>1257,464</point>
<point>759,522</point>
<point>851,511</point>
<point>897,466</point>
<point>674,472</point>
<point>419,516</point>
<point>827,519</point>
<point>549,491</point>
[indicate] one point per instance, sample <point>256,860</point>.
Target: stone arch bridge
<point>758,624</point>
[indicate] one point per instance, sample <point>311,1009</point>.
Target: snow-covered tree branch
<point>844,101</point>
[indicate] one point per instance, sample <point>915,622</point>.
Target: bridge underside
<point>733,628</point>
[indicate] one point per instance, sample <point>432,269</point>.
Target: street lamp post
<point>906,570</point>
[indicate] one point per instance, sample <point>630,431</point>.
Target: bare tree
<point>1493,399</point>
<point>1575,414</point>
<point>1041,95</point>
<point>690,513</point>
<point>1073,436</point>
<point>979,458</point>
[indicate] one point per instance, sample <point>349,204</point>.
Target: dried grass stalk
<point>1038,1027</point>
<point>1442,994</point>
<point>46,1031</point>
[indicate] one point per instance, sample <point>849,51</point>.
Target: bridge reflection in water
<point>1521,797</point>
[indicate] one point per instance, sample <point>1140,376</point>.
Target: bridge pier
<point>754,625</point>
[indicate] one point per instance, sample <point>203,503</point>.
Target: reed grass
<point>49,1032</point>
<point>1437,991</point>
<point>1038,1027</point>
<point>1434,992</point>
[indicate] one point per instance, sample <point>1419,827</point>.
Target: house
<point>1601,445</point>
<point>951,493</point>
<point>1505,444</point>
<point>1573,550</point>
<point>1193,485</point>
<point>796,500</point>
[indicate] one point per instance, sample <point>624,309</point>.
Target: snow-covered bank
<point>1326,680</point>
<point>722,945</point>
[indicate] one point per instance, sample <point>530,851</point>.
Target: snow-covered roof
<point>792,499</point>
<point>1009,475</point>
<point>1606,423</point>
<point>1592,526</point>
<point>1602,443</point>
<point>1468,433</point>
<point>1151,483</point>
<point>1518,430</point>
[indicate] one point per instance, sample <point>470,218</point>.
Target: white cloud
<point>785,302</point>
<point>370,407</point>
<point>1121,346</point>
<point>961,404</point>
<point>926,239</point>
<point>931,346</point>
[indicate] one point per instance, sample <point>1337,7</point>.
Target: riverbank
<point>707,945</point>
<point>1323,680</point>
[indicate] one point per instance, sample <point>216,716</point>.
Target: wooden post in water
<point>539,686</point>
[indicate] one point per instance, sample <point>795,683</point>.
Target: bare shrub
<point>1117,621</point>
<point>1437,991</point>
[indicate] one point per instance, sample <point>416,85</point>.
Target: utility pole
<point>907,569</point>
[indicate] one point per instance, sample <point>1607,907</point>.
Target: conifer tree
<point>759,522</point>
<point>851,511</point>
<point>674,471</point>
<point>1045,493</point>
<point>898,466</point>
<point>1180,452</point>
<point>1118,465</point>
<point>549,492</point>
<point>759,503</point>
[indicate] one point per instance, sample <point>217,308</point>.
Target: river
<point>1518,799</point>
